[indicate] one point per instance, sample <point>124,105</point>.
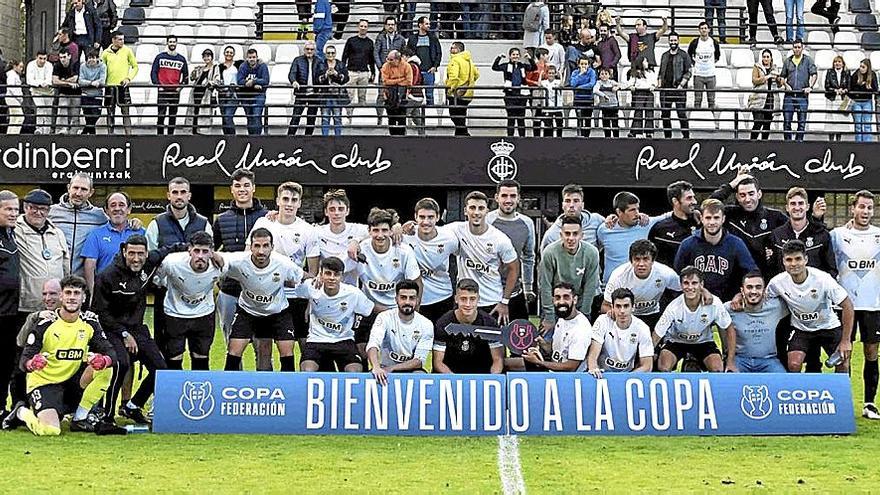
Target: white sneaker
<point>870,411</point>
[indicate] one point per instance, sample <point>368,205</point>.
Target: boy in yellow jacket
<point>461,75</point>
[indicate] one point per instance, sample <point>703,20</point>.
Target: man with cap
<point>42,249</point>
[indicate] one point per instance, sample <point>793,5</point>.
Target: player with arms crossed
<point>646,278</point>
<point>811,295</point>
<point>189,300</point>
<point>333,307</point>
<point>401,339</point>
<point>466,353</point>
<point>620,339</point>
<point>570,340</point>
<point>64,350</point>
<point>262,305</point>
<point>687,324</point>
<point>382,267</point>
<point>483,253</point>
<point>755,319</point>
<point>432,247</point>
<point>857,250</point>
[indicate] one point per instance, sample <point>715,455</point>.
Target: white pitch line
<point>509,469</point>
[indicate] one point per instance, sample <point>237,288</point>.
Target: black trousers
<point>762,119</point>
<point>8,331</point>
<point>767,7</point>
<point>458,114</point>
<point>4,115</point>
<point>149,356</point>
<point>668,101</point>
<point>310,105</point>
<point>340,18</point>
<point>609,122</point>
<point>516,115</point>
<point>397,121</point>
<point>167,103</point>
<point>584,109</point>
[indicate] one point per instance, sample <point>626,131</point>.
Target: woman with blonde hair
<point>862,88</point>
<point>837,101</point>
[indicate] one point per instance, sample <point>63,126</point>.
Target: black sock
<point>200,363</point>
<point>175,364</point>
<point>870,374</point>
<point>288,363</point>
<point>233,363</point>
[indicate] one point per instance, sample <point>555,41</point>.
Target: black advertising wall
<point>437,162</point>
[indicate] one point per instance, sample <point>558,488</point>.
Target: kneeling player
<point>621,339</point>
<point>262,305</point>
<point>332,310</point>
<point>755,324</point>
<point>402,336</point>
<point>687,323</point>
<point>63,351</point>
<point>454,353</point>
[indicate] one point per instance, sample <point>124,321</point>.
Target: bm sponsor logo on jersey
<point>476,265</point>
<point>69,354</point>
<point>258,298</point>
<point>861,264</point>
<point>380,286</point>
<point>197,401</point>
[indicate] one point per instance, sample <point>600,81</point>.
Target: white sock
<point>20,413</point>
<point>80,414</point>
<point>131,405</point>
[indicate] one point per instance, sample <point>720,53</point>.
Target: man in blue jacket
<point>83,22</point>
<point>322,25</point>
<point>303,76</point>
<point>253,77</point>
<point>723,258</point>
<point>426,46</point>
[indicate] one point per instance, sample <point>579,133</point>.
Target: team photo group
<point>725,284</point>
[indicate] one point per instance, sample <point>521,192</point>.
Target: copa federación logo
<point>755,402</point>
<point>196,400</point>
<point>502,166</point>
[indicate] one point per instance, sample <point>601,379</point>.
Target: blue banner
<point>518,403</point>
<point>329,403</point>
<point>679,404</point>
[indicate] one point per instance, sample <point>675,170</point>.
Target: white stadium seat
<point>278,74</point>
<point>154,34</point>
<point>184,32</point>
<point>277,100</point>
<point>875,59</point>
<point>741,58</point>
<point>160,15</point>
<point>145,53</point>
<point>852,58</point>
<point>723,78</point>
<point>143,74</point>
<point>220,3</point>
<point>187,15</point>
<point>824,59</point>
<point>846,40</point>
<point>192,3</point>
<point>208,32</point>
<point>264,51</point>
<point>215,15</point>
<point>818,38</point>
<point>744,78</point>
<point>242,15</point>
<point>236,33</point>
<point>172,4</point>
<point>245,3</point>
<point>284,54</point>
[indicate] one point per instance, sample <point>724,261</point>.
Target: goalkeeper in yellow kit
<point>63,351</point>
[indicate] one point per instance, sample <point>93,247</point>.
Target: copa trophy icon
<point>502,166</point>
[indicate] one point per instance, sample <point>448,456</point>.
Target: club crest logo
<point>502,166</point>
<point>465,345</point>
<point>755,402</point>
<point>196,400</point>
<point>809,242</point>
<point>276,277</point>
<point>763,224</point>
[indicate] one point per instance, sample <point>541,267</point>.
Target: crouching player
<point>621,342</point>
<point>64,350</point>
<point>403,337</point>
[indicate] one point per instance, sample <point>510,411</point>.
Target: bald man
<point>102,244</point>
<point>51,297</point>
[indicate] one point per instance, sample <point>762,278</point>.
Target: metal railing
<point>493,110</point>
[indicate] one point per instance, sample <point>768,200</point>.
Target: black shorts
<point>247,326</point>
<point>297,309</point>
<point>650,320</point>
<point>117,96</point>
<point>868,325</point>
<point>197,332</point>
<point>434,311</point>
<point>802,341</point>
<point>327,355</point>
<point>362,327</point>
<point>518,307</point>
<point>700,351</point>
<point>63,397</point>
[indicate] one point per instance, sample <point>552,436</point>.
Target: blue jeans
<point>321,39</point>
<point>759,365</point>
<point>719,6</point>
<point>428,80</point>
<point>334,111</point>
<point>227,109</point>
<point>473,17</point>
<point>794,10</point>
<point>791,104</point>
<point>862,116</point>
<point>253,108</point>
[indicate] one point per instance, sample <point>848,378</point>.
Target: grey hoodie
<point>76,223</point>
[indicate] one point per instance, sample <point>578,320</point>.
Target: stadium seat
<point>845,40</point>
<point>145,53</point>
<point>196,53</point>
<point>852,58</point>
<point>875,59</point>
<point>723,78</point>
<point>824,59</point>
<point>187,15</point>
<point>214,15</point>
<point>277,104</point>
<point>722,60</point>
<point>871,41</point>
<point>744,78</point>
<point>143,74</point>
<point>278,74</point>
<point>140,3</point>
<point>192,3</point>
<point>171,4</point>
<point>818,39</point>
<point>184,32</point>
<point>284,54</point>
<point>741,58</point>
<point>236,33</point>
<point>161,16</point>
<point>154,33</point>
<point>133,16</point>
<point>866,22</point>
<point>777,57</point>
<point>208,33</point>
<point>220,3</point>
<point>264,51</point>
<point>243,15</point>
<point>132,37</point>
<point>245,3</point>
<point>860,6</point>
